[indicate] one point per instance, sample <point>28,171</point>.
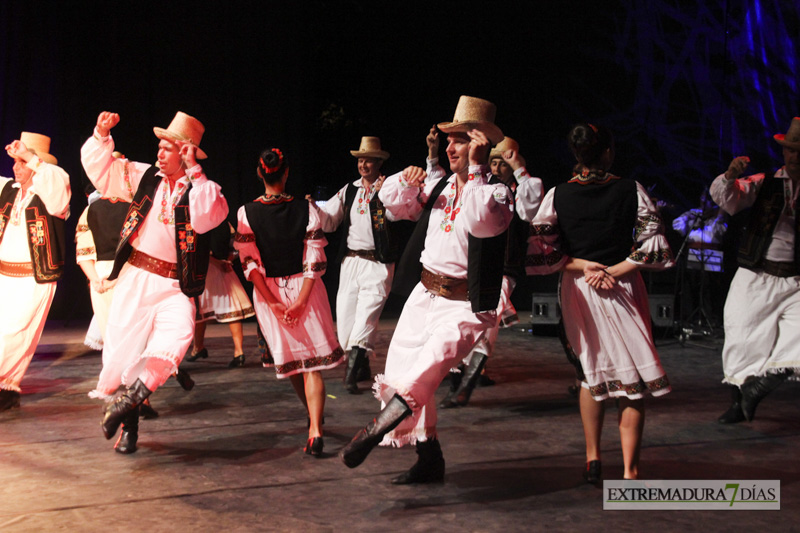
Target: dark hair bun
<point>271,165</point>
<point>588,143</point>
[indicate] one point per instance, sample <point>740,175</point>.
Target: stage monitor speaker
<point>544,309</point>
<point>661,310</point>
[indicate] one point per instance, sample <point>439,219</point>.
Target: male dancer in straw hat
<point>367,256</point>
<point>33,207</point>
<point>454,304</point>
<point>508,166</point>
<point>762,311</point>
<point>160,264</point>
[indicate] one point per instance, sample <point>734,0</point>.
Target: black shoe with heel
<point>201,354</point>
<point>314,447</point>
<point>593,473</point>
<point>237,361</point>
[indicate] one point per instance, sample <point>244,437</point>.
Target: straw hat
<point>39,145</point>
<point>792,137</point>
<point>370,147</point>
<point>474,113</point>
<point>184,128</point>
<point>506,144</point>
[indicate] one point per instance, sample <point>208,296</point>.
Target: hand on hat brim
<point>478,147</point>
<point>492,132</point>
<point>167,136</point>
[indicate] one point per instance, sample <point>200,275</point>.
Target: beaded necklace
<point>168,202</point>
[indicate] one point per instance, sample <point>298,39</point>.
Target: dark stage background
<point>683,85</point>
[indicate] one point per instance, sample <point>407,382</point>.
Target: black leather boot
<point>354,453</point>
<point>123,406</point>
<point>126,443</point>
<point>364,371</point>
<point>429,467</point>
<point>353,364</point>
<point>755,389</point>
<point>734,414</point>
<point>455,380</point>
<point>462,394</point>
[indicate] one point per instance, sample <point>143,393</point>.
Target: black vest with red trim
<point>764,216</point>
<point>386,249</point>
<point>485,258</point>
<point>105,218</point>
<point>596,221</point>
<point>45,231</point>
<point>192,248</point>
<point>279,225</point>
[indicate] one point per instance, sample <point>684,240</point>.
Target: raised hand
<point>415,176</point>
<point>478,147</point>
<point>737,166</point>
<point>188,154</point>
<point>432,140</point>
<point>513,159</point>
<point>18,150</point>
<point>105,121</point>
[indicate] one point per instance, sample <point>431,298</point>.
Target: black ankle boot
<point>429,467</point>
<point>460,397</point>
<point>755,389</point>
<point>123,406</point>
<point>130,433</point>
<point>365,440</point>
<point>734,414</point>
<point>353,364</point>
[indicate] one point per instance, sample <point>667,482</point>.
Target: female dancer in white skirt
<point>224,298</point>
<point>600,230</point>
<point>281,246</point>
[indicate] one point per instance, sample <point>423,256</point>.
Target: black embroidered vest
<point>105,218</point>
<point>597,220</point>
<point>382,228</point>
<point>763,218</point>
<point>45,231</point>
<point>279,227</point>
<point>191,247</point>
<point>485,258</point>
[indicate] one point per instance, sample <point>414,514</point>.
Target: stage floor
<point>227,456</point>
